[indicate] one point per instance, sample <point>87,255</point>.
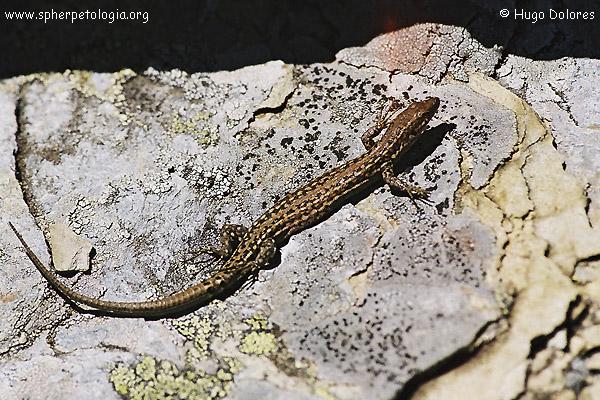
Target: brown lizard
<point>245,251</point>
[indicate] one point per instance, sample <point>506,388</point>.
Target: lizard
<point>247,250</point>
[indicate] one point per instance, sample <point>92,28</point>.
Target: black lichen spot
<point>442,206</point>
<point>311,137</point>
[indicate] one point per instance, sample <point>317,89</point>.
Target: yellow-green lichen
<point>123,379</point>
<point>258,343</point>
<point>150,379</point>
<point>211,335</point>
<point>257,323</point>
<point>192,126</point>
<point>202,331</point>
<point>259,340</point>
<point>232,364</point>
<point>199,331</point>
<point>146,369</point>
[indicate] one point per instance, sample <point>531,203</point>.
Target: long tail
<point>175,303</point>
<point>50,277</point>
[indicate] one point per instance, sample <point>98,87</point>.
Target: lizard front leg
<point>368,138</point>
<point>397,183</point>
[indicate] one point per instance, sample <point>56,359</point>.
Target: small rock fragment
<point>70,252</point>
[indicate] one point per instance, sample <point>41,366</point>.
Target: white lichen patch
<point>106,87</point>
<point>211,181</point>
<point>194,86</point>
<point>81,214</point>
<point>215,182</point>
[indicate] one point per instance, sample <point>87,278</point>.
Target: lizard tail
<point>173,304</point>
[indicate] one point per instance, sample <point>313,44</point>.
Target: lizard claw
<point>195,253</point>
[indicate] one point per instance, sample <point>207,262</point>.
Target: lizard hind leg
<point>231,236</point>
<point>266,252</point>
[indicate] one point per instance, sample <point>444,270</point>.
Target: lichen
<point>195,86</point>
<point>153,379</point>
<point>106,87</point>
<point>259,340</point>
<point>123,379</point>
<point>194,126</point>
<point>198,330</point>
<point>111,91</point>
<point>257,323</point>
<point>13,85</point>
<point>258,343</point>
<point>146,369</point>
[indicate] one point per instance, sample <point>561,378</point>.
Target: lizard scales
<point>248,250</point>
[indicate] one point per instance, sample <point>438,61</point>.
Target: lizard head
<point>405,128</point>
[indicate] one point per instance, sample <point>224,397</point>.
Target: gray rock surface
<point>148,167</point>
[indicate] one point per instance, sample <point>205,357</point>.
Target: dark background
<point>209,35</point>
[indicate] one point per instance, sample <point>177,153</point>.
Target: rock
<point>70,252</point>
<point>389,297</point>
